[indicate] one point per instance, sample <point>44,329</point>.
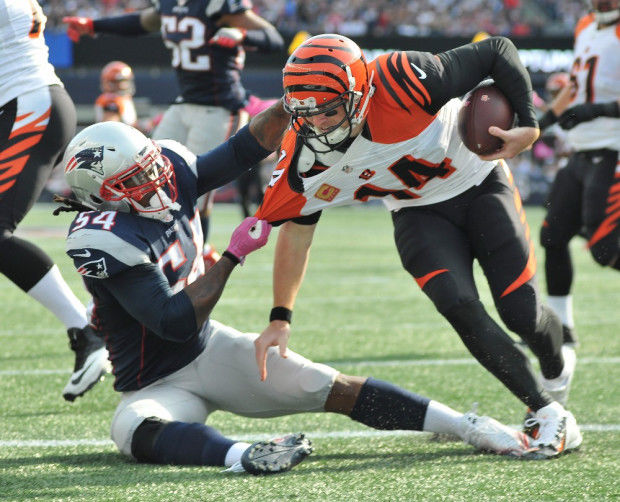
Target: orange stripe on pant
<point>530,267</point>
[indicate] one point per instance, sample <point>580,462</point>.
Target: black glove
<point>587,111</point>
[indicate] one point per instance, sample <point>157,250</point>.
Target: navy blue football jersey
<point>115,251</point>
<point>136,267</point>
<point>207,75</point>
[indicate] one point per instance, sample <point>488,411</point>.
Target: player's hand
<point>276,334</point>
<point>249,236</point>
<point>515,141</point>
<point>228,38</point>
<point>78,26</point>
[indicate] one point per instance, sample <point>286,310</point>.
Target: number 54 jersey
<point>207,74</point>
<point>406,155</point>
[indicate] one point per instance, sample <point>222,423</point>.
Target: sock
<point>563,307</point>
<point>181,443</point>
<point>234,453</point>
<point>383,405</point>
<point>54,294</point>
<point>441,419</point>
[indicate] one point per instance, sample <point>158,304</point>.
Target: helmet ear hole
<point>96,199</point>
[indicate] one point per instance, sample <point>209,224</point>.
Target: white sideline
<point>344,362</point>
<point>59,443</point>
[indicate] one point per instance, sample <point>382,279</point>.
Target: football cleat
<point>91,361</point>
<point>558,432</point>
<point>210,256</point>
<point>272,457</point>
<point>559,387</point>
<point>486,433</point>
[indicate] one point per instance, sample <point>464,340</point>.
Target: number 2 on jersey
<point>190,33</point>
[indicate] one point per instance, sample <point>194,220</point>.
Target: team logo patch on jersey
<point>89,158</point>
<point>96,268</point>
<point>327,192</point>
<point>367,174</point>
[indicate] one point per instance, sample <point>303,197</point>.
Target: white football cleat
<point>558,388</point>
<point>486,433</point>
<point>557,432</point>
<point>91,361</point>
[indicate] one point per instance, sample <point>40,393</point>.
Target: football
<point>483,107</point>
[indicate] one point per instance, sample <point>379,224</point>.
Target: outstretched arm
<point>289,268</point>
<point>137,23</point>
<point>243,150</point>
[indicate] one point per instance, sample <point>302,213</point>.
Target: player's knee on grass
<point>144,438</point>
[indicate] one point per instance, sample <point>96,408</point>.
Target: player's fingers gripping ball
<point>249,236</point>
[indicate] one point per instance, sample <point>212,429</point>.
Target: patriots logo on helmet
<point>96,268</point>
<point>89,158</point>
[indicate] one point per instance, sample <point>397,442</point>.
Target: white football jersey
<point>24,64</point>
<point>430,167</point>
<point>596,72</point>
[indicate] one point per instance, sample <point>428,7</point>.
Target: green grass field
<point>359,311</point>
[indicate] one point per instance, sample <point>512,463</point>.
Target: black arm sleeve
<point>229,160</point>
<point>128,25</point>
<point>265,40</point>
<point>145,294</point>
<point>465,67</point>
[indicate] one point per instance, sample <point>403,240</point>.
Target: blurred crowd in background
<point>377,17</point>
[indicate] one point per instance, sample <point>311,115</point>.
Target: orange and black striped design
<point>612,212</point>
<point>316,71</point>
<point>26,133</point>
<point>398,108</point>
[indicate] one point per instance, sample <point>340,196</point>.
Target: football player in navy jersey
<point>208,39</point>
<point>137,243</point>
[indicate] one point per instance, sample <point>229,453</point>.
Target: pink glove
<point>78,26</point>
<point>250,235</point>
<point>229,38</point>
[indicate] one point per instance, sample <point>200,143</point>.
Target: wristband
<point>231,257</point>
<point>549,118</point>
<point>281,314</point>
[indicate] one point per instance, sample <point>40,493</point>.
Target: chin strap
<point>371,90</point>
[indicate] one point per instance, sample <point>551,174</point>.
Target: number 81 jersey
<point>207,74</point>
<point>596,76</point>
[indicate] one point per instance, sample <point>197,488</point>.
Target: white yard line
<point>344,362</point>
<point>346,434</point>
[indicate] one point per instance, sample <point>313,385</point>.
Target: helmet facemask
<point>143,185</point>
<point>336,134</point>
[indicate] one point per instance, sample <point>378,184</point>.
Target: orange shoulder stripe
<point>583,23</point>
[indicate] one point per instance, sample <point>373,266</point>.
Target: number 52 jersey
<point>207,74</point>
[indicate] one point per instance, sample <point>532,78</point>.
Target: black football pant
<point>34,130</point>
<point>438,244</point>
<point>584,199</point>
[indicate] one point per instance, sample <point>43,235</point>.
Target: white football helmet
<point>111,166</point>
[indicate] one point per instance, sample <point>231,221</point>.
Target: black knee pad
<point>144,438</point>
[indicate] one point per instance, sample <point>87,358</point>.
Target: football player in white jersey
<point>37,120</point>
<point>584,195</point>
<point>387,130</point>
